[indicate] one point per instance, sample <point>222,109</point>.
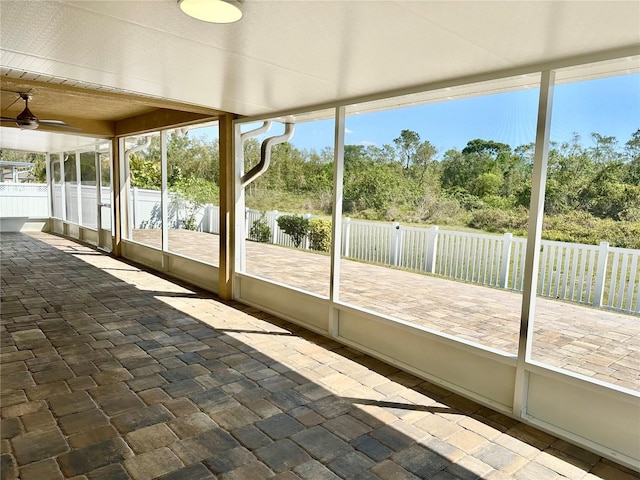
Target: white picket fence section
<point>598,275</point>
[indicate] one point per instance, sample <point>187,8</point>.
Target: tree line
<point>592,186</point>
<point>592,192</point>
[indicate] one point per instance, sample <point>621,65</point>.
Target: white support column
<point>126,201</point>
<point>241,222</point>
<point>336,219</point>
<point>78,188</point>
<point>536,211</point>
<point>63,188</point>
<point>48,171</point>
<point>98,194</point>
<point>164,199</point>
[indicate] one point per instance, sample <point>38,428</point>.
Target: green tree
<point>144,173</point>
<point>38,172</point>
<point>605,149</point>
<point>407,145</point>
<point>422,168</point>
<point>632,157</point>
<point>608,196</point>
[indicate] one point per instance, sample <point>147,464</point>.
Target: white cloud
<point>346,130</point>
<point>366,143</point>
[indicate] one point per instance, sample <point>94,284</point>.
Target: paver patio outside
<point>600,344</point>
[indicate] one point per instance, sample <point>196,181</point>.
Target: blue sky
<point>608,106</point>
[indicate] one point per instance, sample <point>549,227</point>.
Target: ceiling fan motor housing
<point>27,120</point>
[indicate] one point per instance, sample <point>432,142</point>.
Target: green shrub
<point>582,227</point>
<point>189,223</point>
<point>260,230</point>
<point>296,226</point>
<point>320,234</point>
<point>498,220</point>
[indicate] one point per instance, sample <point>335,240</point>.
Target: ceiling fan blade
<point>28,121</point>
<point>53,123</point>
<point>58,124</point>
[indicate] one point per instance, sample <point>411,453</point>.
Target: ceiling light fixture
<point>214,11</point>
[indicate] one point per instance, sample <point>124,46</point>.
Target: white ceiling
<point>290,54</point>
<point>42,141</point>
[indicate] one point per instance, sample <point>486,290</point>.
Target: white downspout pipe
<point>266,126</point>
<point>265,154</point>
<point>147,142</point>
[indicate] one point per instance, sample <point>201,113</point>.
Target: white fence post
<point>432,249</point>
<point>601,271</point>
<point>274,232</point>
<point>305,243</point>
<point>345,236</point>
<point>394,245</point>
<point>246,222</point>
<point>506,259</point>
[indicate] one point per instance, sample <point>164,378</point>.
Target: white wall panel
<point>300,307</point>
<point>192,271</point>
<point>485,376</point>
<point>598,417</point>
<point>150,257</point>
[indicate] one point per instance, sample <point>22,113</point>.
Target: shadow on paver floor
<point>128,375</point>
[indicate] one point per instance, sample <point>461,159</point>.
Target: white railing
<point>597,275</point>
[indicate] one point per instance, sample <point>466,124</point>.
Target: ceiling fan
<point>28,121</point>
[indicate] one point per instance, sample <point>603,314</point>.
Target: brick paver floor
<point>111,372</point>
<point>600,344</point>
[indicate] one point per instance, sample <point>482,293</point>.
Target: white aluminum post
<point>536,210</point>
<point>506,259</point>
<point>47,159</point>
<point>164,199</point>
<point>96,160</point>
<point>336,220</point>
<point>127,194</point>
<point>603,254</point>
<point>78,189</point>
<point>240,220</point>
<point>63,189</point>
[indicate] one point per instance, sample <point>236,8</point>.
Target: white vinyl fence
<point>144,207</point>
<point>598,275</point>
<point>27,200</point>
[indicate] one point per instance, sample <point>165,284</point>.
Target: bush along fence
<point>597,275</point>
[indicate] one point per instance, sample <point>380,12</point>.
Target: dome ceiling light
<point>214,11</point>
